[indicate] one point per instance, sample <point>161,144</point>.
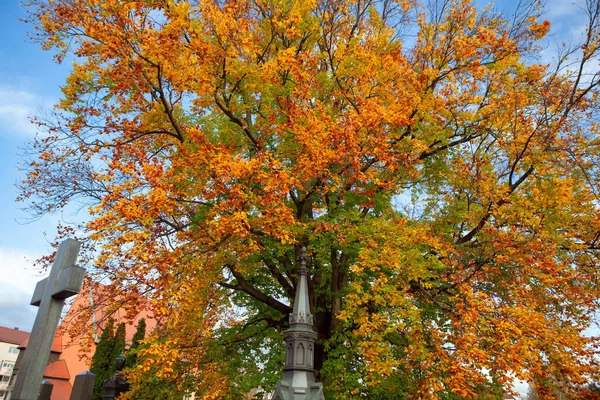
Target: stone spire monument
<point>298,381</point>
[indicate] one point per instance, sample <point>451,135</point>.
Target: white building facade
<point>10,339</point>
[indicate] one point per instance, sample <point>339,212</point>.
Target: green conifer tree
<point>103,364</point>
<point>139,335</point>
<point>119,341</point>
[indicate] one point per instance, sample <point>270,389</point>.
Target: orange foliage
<point>444,180</point>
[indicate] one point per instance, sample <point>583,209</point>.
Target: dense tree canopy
<point>442,176</point>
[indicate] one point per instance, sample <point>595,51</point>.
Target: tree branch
<point>285,284</point>
<point>499,203</point>
<point>244,286</point>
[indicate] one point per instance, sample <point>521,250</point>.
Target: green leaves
<point>444,184</point>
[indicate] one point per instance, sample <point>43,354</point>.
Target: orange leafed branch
<point>443,178</point>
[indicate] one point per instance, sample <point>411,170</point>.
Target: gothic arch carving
<point>290,354</point>
<point>300,354</point>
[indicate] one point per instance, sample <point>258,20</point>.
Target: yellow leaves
<point>538,29</point>
<point>216,135</point>
<point>286,59</point>
<point>290,17</point>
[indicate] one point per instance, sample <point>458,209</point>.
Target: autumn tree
<point>442,176</point>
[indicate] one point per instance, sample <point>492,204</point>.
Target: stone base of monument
<point>114,387</point>
<point>283,391</point>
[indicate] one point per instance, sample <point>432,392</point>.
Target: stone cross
<point>65,280</point>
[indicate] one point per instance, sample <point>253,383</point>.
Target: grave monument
<point>298,381</point>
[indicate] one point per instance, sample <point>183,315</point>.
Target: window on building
<point>13,349</point>
<point>5,378</point>
<point>8,364</point>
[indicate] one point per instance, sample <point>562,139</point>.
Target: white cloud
<point>568,19</point>
<point>16,107</point>
<point>15,310</point>
<point>521,387</point>
<point>16,268</point>
<point>18,278</point>
<point>564,9</point>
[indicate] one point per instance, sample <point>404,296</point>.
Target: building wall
<point>8,357</point>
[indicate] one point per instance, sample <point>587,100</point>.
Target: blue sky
<point>30,81</point>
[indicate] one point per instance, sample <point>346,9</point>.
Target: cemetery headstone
<point>83,387</point>
<point>45,390</point>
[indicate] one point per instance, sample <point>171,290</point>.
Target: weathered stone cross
<point>65,280</point>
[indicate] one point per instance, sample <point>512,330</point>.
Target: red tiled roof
<point>14,336</point>
<point>56,344</point>
<point>58,370</point>
<point>61,390</point>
